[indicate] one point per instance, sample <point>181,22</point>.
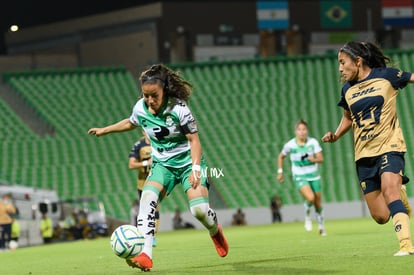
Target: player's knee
<point>380,219</point>
<point>199,211</point>
<point>310,199</point>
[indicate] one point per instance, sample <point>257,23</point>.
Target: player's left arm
<point>188,128</point>
<point>134,163</point>
<point>280,160</point>
<point>195,147</point>
<point>316,158</point>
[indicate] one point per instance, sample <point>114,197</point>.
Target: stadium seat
<point>245,111</point>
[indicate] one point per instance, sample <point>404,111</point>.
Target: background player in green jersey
<point>368,100</point>
<point>305,154</point>
<point>177,157</point>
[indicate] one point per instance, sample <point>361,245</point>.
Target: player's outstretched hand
<point>280,178</point>
<point>329,137</point>
<point>96,132</point>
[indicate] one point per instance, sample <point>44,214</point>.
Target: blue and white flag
<point>397,13</point>
<point>272,15</point>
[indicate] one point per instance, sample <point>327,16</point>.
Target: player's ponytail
<point>371,54</point>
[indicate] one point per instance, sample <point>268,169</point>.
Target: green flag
<point>336,14</point>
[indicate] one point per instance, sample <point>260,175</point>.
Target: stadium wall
<point>163,32</point>
<point>290,213</point>
<point>38,61</point>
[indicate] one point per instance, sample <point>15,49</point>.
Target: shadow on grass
<point>265,266</point>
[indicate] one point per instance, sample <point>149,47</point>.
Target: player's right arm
<point>280,167</point>
<point>121,126</point>
<point>134,163</point>
<point>343,127</point>
<point>411,78</point>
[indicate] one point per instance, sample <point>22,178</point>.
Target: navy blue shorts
<point>369,170</point>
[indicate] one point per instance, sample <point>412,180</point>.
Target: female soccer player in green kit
<point>305,156</point>
<point>177,156</point>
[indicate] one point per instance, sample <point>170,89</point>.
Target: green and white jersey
<point>166,131</point>
<point>299,156</point>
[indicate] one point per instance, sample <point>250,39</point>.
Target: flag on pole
<point>397,13</point>
<point>336,14</point>
<point>272,15</point>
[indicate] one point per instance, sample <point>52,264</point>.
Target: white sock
<point>319,218</point>
<point>206,215</point>
<point>146,218</point>
<point>307,209</point>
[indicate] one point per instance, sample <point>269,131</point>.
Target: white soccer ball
<point>13,245</point>
<point>127,241</point>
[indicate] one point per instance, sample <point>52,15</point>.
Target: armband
<point>189,128</point>
<point>196,167</point>
<point>280,171</point>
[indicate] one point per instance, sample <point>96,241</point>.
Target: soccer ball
<point>13,245</point>
<point>127,241</point>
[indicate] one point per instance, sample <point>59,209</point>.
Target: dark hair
<point>301,121</point>
<point>172,82</point>
<point>371,54</point>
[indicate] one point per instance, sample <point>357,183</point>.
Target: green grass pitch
<point>353,246</point>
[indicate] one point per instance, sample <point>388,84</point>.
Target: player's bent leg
<point>319,214</point>
<point>321,222</point>
<point>404,199</point>
<point>146,225</point>
<point>157,222</point>
<point>401,223</point>
<point>201,210</point>
<point>402,229</point>
<point>220,242</point>
<point>377,207</point>
<point>309,196</point>
<point>308,221</point>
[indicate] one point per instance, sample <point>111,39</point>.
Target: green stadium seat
<point>245,110</point>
